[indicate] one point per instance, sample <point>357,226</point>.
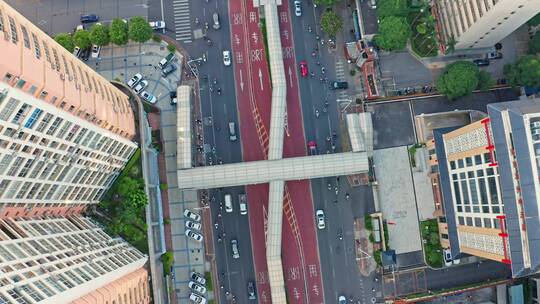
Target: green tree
<point>393,33</point>
<point>534,20</point>
<point>421,28</point>
<point>167,259</point>
<point>81,38</point>
<point>485,81</point>
<point>136,200</point>
<point>118,32</point>
<point>65,40</point>
<point>171,47</point>
<point>128,185</point>
<point>331,23</point>
<point>396,8</point>
<point>326,2</point>
<point>525,72</point>
<point>534,43</point>
<point>450,45</point>
<point>99,34</point>
<point>458,79</point>
<point>139,30</point>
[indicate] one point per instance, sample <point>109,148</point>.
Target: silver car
<point>196,287</point>
<point>234,247</point>
<point>194,235</point>
<point>191,215</point>
<point>216,24</point>
<point>140,86</point>
<point>134,80</point>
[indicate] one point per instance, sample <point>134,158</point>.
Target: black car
<point>337,85</point>
<point>168,69</point>
<point>481,62</point>
<point>251,291</point>
<point>85,54</point>
<point>89,18</point>
<point>173,96</point>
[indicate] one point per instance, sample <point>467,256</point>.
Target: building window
<point>37,50</point>
<point>26,38</point>
<point>7,77</point>
<point>9,109</point>
<point>33,118</point>
<point>13,30</point>
<point>20,83</point>
<point>20,113</point>
<point>444,236</point>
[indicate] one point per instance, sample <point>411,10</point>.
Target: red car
<point>303,68</point>
<point>312,145</point>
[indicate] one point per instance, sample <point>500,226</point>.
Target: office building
<point>481,23</point>
<point>65,131</point>
<point>490,186</point>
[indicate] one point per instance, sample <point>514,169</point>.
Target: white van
<point>242,202</point>
<point>228,203</point>
<point>232,131</point>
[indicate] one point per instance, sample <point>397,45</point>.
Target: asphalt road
<point>222,109</point>
<point>58,16</point>
<point>338,260</point>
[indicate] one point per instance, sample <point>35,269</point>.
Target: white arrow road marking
<point>261,80</point>
<point>290,77</point>
<point>241,81</point>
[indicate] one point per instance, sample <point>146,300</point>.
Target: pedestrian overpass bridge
<point>275,170</point>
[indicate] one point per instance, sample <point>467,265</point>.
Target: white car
<point>319,214</point>
<point>342,299</point>
<point>197,277</point>
<point>148,97</point>
<point>197,298</point>
<point>234,247</point>
<point>95,51</point>
<point>194,235</point>
<point>134,80</point>
<point>297,8</point>
<point>447,255</point>
<point>196,287</point>
<point>191,215</point>
<point>227,58</point>
<point>193,225</point>
<point>140,86</point>
<point>77,51</point>
<point>157,25</point>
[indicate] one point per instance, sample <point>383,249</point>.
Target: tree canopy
<point>99,34</point>
<point>393,33</point>
<point>525,72</point>
<point>118,32</point>
<point>458,79</point>
<point>81,38</point>
<point>331,23</point>
<point>534,20</point>
<point>534,43</point>
<point>387,8</point>
<point>139,29</point>
<point>65,40</point>
<point>485,81</point>
<point>325,2</point>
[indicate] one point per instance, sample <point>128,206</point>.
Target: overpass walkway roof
<point>183,127</point>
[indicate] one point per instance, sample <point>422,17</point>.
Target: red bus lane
<point>252,81</point>
<point>300,191</point>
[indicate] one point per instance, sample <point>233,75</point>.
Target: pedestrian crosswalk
<point>340,76</point>
<point>182,20</point>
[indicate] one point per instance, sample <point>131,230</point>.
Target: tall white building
<point>59,260</point>
<point>482,23</point>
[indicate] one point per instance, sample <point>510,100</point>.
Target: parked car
<point>134,80</point>
<point>481,62</point>
<point>215,18</point>
<point>197,298</point>
<point>297,8</point>
<point>194,235</point>
<point>191,215</point>
<point>85,54</point>
<point>193,225</point>
<point>157,25</point>
<point>89,18</point>
<point>227,58</point>
<point>494,55</point>
<point>168,69</point>
<point>234,247</point>
<point>165,61</point>
<point>173,96</point>
<point>319,214</point>
<point>342,299</point>
<point>447,254</point>
<point>96,49</point>
<point>252,295</point>
<point>148,97</point>
<point>197,277</point>
<point>197,287</point>
<point>339,85</point>
<point>304,68</point>
<point>140,86</point>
